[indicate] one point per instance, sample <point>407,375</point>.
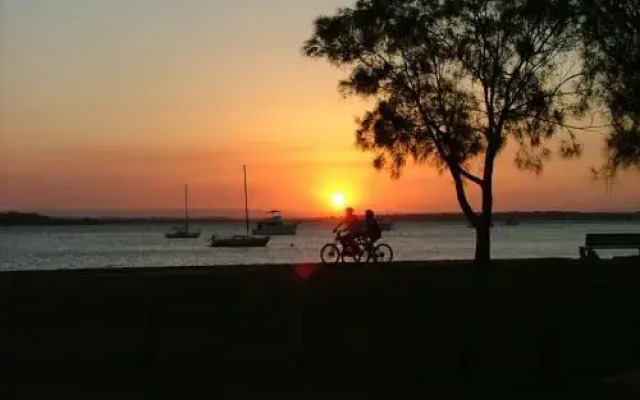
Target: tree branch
<point>469,176</point>
<point>462,198</point>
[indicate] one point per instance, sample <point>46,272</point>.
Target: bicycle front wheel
<point>382,253</point>
<point>330,254</point>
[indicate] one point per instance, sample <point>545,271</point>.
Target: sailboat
<point>241,240</point>
<point>183,232</point>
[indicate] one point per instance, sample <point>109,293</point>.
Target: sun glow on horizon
<point>338,200</point>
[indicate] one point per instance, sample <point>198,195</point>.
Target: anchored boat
<point>275,225</point>
<point>183,232</point>
<point>241,240</point>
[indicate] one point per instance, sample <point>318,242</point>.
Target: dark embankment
<point>554,323</point>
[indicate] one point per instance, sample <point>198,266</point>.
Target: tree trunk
<point>481,221</point>
<point>483,244</point>
<point>483,228</point>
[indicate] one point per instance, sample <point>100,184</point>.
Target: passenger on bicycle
<point>350,223</point>
<point>372,231</point>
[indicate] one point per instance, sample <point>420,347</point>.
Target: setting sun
<point>338,200</point>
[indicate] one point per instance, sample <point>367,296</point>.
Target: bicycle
<point>333,253</point>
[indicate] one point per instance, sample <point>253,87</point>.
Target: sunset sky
<point>110,106</point>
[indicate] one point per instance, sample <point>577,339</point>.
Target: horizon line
<point>134,215</point>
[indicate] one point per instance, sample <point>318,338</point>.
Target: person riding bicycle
<point>371,232</point>
<point>350,222</point>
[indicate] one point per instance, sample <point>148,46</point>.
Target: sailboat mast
<point>186,208</point>
<point>246,199</point>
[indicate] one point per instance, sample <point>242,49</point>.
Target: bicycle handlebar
<point>339,234</point>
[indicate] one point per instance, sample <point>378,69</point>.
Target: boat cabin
<point>274,219</point>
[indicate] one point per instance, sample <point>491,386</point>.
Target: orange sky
<point>111,105</point>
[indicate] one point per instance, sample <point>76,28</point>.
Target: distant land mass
<point>13,218</point>
<point>20,218</point>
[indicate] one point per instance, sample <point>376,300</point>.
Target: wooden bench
<point>608,241</point>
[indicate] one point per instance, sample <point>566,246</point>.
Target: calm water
<point>28,248</point>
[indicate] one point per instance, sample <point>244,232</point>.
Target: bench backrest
<point>629,240</point>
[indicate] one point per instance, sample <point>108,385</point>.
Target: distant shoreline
<point>13,218</point>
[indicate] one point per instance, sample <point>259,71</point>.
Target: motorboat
<point>275,225</point>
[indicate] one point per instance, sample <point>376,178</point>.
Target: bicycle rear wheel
<point>330,254</point>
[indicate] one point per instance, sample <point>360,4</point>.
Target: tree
<point>453,81</point>
<point>611,54</point>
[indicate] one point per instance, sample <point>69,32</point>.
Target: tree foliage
<point>612,63</point>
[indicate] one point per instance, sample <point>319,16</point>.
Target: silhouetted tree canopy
<point>612,61</point>
<point>454,80</point>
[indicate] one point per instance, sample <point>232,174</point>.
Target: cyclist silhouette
<point>350,222</point>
